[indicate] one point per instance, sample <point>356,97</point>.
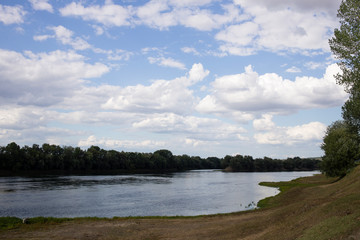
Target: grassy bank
<point>307,208</point>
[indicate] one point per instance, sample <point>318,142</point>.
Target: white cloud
<point>280,26</point>
<point>328,6</point>
<point>109,14</point>
<point>314,65</point>
<point>41,5</point>
<point>12,14</point>
<point>167,62</point>
<point>190,50</point>
<point>65,36</point>
<point>155,14</point>
<point>239,35</point>
<point>161,96</point>
<point>113,143</point>
<point>162,15</point>
<point>98,30</point>
<point>41,38</point>
<point>12,117</point>
<point>197,73</point>
<point>193,127</point>
<point>293,69</point>
<point>311,132</point>
<point>43,78</point>
<point>189,3</point>
<point>264,124</point>
<point>250,92</point>
<point>196,143</point>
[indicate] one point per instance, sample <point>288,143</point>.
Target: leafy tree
<point>345,45</point>
<point>351,109</point>
<point>341,147</point>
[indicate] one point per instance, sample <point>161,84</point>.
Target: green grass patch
<point>286,186</point>
<point>9,222</point>
<point>47,220</point>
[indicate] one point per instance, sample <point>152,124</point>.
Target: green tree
<point>341,147</point>
<point>351,110</point>
<point>345,45</point>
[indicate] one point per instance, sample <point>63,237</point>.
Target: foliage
<point>345,45</point>
<point>351,110</point>
<point>341,147</point>
<point>69,159</point>
<point>241,163</point>
<point>342,140</point>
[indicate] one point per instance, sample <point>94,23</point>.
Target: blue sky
<point>197,77</point>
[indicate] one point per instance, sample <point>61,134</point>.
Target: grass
<point>9,222</point>
<point>285,186</point>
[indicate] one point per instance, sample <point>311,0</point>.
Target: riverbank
<point>307,208</point>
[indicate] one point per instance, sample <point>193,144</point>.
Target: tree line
<point>14,158</point>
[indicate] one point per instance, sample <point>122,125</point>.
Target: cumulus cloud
<point>44,78</point>
<point>314,65</point>
<point>239,35</point>
<point>204,129</point>
<point>12,117</point>
<point>65,36</point>
<point>190,50</point>
<point>329,6</point>
<point>265,123</point>
<point>281,26</point>
<point>311,132</point>
<point>109,14</point>
<point>293,69</point>
<point>162,15</point>
<point>161,96</point>
<point>250,92</point>
<point>11,14</point>
<point>277,26</point>
<point>41,5</point>
<point>155,14</point>
<point>113,143</point>
<point>166,62</point>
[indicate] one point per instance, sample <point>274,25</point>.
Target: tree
<point>341,147</point>
<point>351,110</point>
<point>345,45</point>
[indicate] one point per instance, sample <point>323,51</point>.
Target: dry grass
<point>308,208</point>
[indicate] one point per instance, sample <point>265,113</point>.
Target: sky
<point>197,77</point>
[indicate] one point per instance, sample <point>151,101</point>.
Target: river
<point>184,193</point>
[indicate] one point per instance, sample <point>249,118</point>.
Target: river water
<point>185,193</point>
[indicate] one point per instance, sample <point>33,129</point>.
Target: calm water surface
<point>186,193</point>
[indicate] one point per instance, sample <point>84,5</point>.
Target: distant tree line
<point>53,157</point>
<point>241,163</point>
